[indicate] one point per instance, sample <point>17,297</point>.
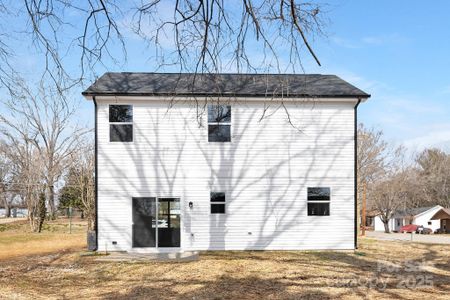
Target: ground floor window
<point>217,202</point>
<point>318,201</point>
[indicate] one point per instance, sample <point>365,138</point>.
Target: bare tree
<point>48,125</point>
<point>371,163</point>
<point>387,197</point>
<point>207,35</point>
<point>433,168</point>
<point>393,183</point>
<point>372,154</point>
<point>81,177</point>
<point>198,36</point>
<point>5,182</point>
<point>385,172</point>
<point>8,75</point>
<point>27,169</point>
<point>389,193</point>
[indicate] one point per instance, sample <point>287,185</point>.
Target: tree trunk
<point>6,205</point>
<point>7,211</point>
<point>51,201</point>
<point>386,227</point>
<point>31,220</point>
<point>42,211</point>
<point>28,196</point>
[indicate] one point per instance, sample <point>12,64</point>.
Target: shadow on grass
<point>225,287</point>
<point>246,275</point>
<point>350,268</point>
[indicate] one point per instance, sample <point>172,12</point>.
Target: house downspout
<point>96,174</point>
<point>356,171</point>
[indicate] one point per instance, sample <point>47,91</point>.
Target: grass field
<point>50,266</point>
<point>17,241</point>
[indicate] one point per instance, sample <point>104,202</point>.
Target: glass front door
<point>144,222</point>
<point>168,222</point>
<point>156,222</point>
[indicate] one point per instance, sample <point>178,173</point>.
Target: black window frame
<point>115,124</point>
<point>217,123</point>
<point>217,203</point>
<point>318,201</point>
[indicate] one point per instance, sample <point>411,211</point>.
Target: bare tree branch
<point>46,122</point>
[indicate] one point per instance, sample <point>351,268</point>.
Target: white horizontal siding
<point>264,171</point>
<point>425,218</point>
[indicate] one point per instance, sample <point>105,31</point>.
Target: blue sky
<point>398,51</point>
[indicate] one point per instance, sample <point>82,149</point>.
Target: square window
<point>318,209</point>
<point>217,197</point>
<point>219,133</point>
<point>319,193</point>
<point>120,133</point>
<point>219,113</point>
<point>218,208</point>
<point>120,113</point>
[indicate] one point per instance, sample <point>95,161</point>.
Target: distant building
<point>443,215</point>
<point>418,216</point>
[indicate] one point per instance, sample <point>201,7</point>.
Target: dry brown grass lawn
<point>16,240</point>
<point>65,274</point>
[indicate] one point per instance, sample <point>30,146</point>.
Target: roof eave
<point>89,95</point>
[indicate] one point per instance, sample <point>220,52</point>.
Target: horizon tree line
<point>395,182</point>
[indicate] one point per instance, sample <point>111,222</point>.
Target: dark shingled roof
<point>246,85</point>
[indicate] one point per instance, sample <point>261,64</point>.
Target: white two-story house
<point>225,161</point>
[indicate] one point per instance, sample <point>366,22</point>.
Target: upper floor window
<point>319,201</point>
<point>120,123</point>
<point>217,202</point>
<point>219,123</point>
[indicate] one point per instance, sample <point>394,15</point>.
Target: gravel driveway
<point>418,238</point>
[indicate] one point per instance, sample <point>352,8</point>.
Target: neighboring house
<point>211,162</point>
<point>443,215</point>
<point>417,216</point>
<point>370,219</point>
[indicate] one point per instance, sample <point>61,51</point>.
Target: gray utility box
<point>92,240</point>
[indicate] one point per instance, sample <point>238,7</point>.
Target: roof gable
<point>244,85</point>
<point>443,213</point>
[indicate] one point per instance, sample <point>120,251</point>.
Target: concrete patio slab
<point>149,257</point>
